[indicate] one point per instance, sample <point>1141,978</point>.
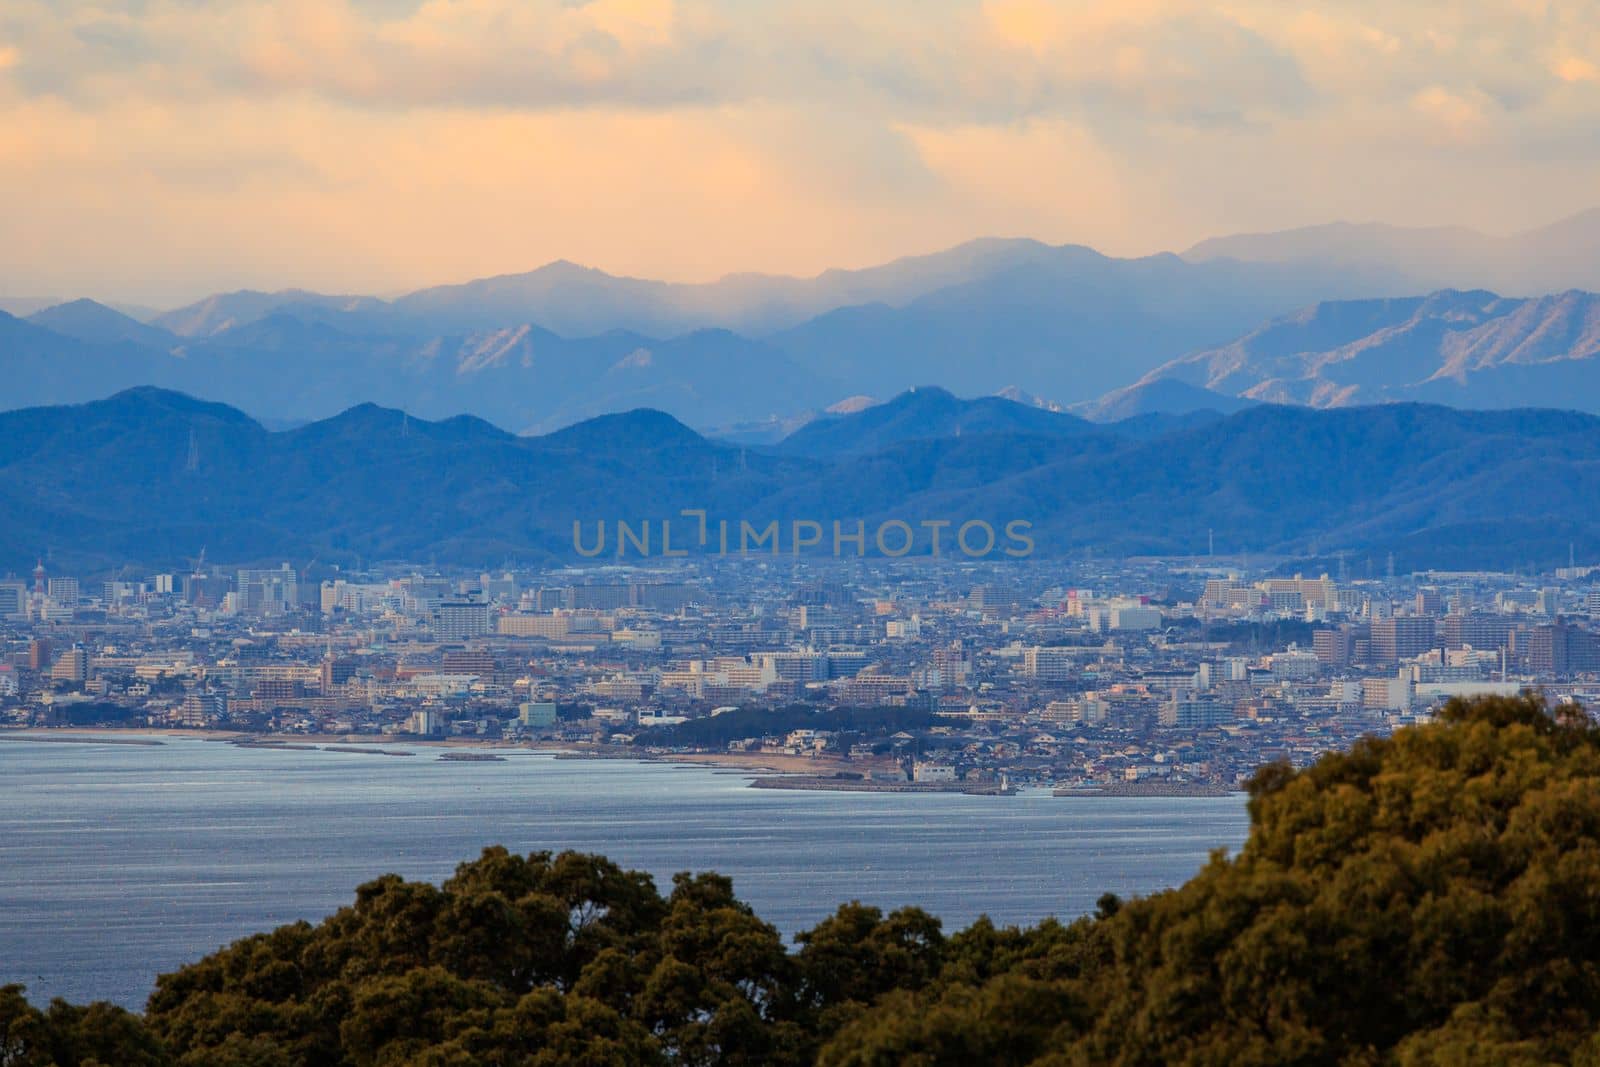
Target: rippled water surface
<point>118,862</point>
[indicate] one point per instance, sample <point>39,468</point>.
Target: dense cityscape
<point>1137,677</point>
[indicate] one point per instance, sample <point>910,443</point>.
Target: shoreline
<point>764,770</point>
<point>1147,789</point>
<point>816,784</point>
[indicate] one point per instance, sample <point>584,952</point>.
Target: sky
<point>156,150</point>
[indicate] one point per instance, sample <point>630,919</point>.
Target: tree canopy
<point>1433,897</point>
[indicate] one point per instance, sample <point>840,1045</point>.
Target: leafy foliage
<point>1429,898</point>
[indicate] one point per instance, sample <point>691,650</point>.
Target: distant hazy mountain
<point>40,366</point>
<point>150,476</point>
<point>225,311</point>
<point>1150,396</point>
<point>1064,322</point>
<point>926,412</point>
<point>578,301</point>
<point>1467,349</point>
<point>86,320</point>
<point>1059,321</point>
<point>1397,259</point>
<point>754,355</point>
<point>293,365</point>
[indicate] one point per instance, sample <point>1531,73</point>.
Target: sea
<point>119,862</point>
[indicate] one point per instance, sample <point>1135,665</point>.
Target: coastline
<point>817,784</point>
<point>765,770</point>
<point>1147,789</point>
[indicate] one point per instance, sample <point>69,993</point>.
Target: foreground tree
<point>1430,898</point>
<point>100,1034</point>
<point>1433,898</point>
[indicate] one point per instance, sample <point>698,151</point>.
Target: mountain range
<point>1057,321</point>
<point>1408,259</point>
<point>151,476</point>
<point>1321,316</point>
<point>1466,349</point>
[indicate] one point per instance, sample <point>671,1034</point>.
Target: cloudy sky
<point>154,150</point>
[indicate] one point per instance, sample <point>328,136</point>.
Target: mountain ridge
<point>546,348</point>
<point>1472,349</point>
<point>150,474</point>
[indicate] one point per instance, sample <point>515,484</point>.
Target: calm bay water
<point>119,862</point>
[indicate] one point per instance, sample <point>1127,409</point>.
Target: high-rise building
<point>64,591</point>
<point>1558,648</point>
<point>1048,664</point>
<point>1335,648</point>
<point>268,592</point>
<point>203,707</point>
<point>73,666</point>
<point>1480,630</point>
<point>1225,593</point>
<point>457,620</point>
<point>13,600</point>
<point>1401,637</point>
<point>1187,711</point>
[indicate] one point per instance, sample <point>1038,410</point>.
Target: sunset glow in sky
<point>155,150</point>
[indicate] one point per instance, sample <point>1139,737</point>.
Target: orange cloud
<point>167,147</point>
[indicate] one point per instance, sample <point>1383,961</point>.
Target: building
<point>932,772</point>
<point>468,661</point>
<point>537,713</point>
<point>1128,615</point>
<point>1480,630</point>
<point>796,666</point>
<point>1227,594</point>
<point>1402,637</point>
<point>1192,712</point>
<point>1086,710</point>
<point>546,626</point>
<point>274,692</point>
<point>457,620</point>
<point>1294,595</point>
<point>1051,664</point>
<point>13,600</point>
<point>336,671</point>
<point>268,592</point>
<point>1387,694</point>
<point>1294,665</point>
<point>202,708</point>
<point>425,722</point>
<point>1557,648</point>
<point>73,666</point>
<point>1335,649</point>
